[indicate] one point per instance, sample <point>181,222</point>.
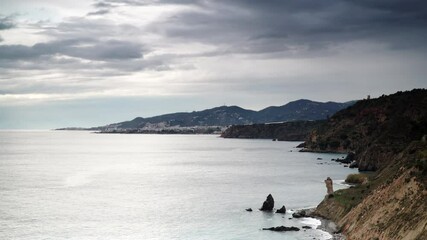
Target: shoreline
<point>330,227</point>
<point>326,225</point>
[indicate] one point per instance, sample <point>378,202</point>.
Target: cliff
<point>387,134</point>
<point>376,129</point>
<point>288,131</point>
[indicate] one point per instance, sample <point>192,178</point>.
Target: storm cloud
<point>274,50</point>
<point>6,23</point>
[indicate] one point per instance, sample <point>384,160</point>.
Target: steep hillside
<point>392,205</point>
<point>388,135</point>
<point>287,131</point>
<point>374,129</point>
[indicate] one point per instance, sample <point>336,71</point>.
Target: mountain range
<point>302,109</point>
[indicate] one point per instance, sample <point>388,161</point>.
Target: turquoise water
<point>80,185</point>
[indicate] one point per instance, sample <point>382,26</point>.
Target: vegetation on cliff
<point>387,134</point>
<point>375,129</point>
<point>288,131</point>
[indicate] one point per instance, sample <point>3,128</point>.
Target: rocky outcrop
<point>268,204</point>
<point>386,135</point>
<point>329,187</point>
<point>282,229</point>
<point>375,130</point>
<point>287,131</point>
<point>281,210</point>
<point>300,214</point>
<point>392,206</point>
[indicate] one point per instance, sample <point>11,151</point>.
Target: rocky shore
<point>326,225</point>
<point>388,136</point>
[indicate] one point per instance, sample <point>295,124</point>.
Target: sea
<point>83,185</point>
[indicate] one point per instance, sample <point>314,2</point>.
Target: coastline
<point>330,227</point>
<point>325,225</point>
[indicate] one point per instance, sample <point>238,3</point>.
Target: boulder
<point>354,165</point>
<point>299,214</point>
<point>249,209</point>
<point>281,210</point>
<point>350,156</point>
<point>301,145</point>
<point>268,204</point>
<point>282,229</point>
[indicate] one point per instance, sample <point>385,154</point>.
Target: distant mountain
<point>301,110</point>
<point>233,115</point>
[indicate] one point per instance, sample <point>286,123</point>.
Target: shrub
<point>356,178</point>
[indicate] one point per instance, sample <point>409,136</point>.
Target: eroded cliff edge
<point>389,136</point>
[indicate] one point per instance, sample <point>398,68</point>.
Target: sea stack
<point>281,210</point>
<point>268,204</point>
<point>329,187</point>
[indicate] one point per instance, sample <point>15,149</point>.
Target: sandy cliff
<point>388,135</point>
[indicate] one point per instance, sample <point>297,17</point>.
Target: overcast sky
<point>89,63</point>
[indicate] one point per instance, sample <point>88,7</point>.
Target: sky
<point>90,63</point>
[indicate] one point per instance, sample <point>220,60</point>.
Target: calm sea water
<point>81,185</point>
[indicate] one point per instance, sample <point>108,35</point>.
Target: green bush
<point>356,178</point>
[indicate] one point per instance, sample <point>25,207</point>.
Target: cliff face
<point>387,134</point>
<point>375,129</point>
<point>288,131</point>
<point>393,205</point>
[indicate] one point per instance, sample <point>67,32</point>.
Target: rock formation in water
<point>300,214</point>
<point>268,204</point>
<point>281,210</point>
<point>282,229</point>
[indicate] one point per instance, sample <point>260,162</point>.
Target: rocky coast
<point>388,137</point>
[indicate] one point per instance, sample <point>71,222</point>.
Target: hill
<point>388,135</point>
<point>374,129</point>
<point>286,131</point>
<point>234,115</point>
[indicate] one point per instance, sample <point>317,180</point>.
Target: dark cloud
<point>103,5</point>
<point>99,12</point>
<point>252,26</point>
<point>6,23</point>
<point>80,48</point>
<point>268,29</point>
